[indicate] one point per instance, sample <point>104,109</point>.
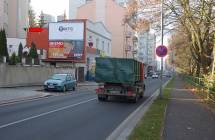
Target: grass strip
<point>149,128</point>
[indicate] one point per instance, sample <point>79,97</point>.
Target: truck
<point>123,77</point>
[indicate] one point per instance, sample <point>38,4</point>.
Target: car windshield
<point>58,77</point>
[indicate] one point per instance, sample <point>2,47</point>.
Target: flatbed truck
<point>121,77</point>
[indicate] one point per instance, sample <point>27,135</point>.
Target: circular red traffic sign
<point>161,51</point>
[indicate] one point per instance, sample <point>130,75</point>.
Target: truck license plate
<point>114,92</point>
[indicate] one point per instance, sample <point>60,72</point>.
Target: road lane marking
<point>46,113</point>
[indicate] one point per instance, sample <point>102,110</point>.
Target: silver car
<point>60,82</point>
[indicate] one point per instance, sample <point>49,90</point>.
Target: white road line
<point>46,113</point>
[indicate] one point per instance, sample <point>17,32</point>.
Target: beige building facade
<point>14,17</point>
<point>112,15</point>
<point>4,14</point>
<point>18,18</point>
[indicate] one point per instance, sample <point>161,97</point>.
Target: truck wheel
<point>100,98</point>
<point>135,99</point>
<point>105,98</point>
<point>142,93</point>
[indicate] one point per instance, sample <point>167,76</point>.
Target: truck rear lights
<point>130,93</point>
<point>99,90</point>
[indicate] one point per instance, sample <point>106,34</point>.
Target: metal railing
<point>207,87</point>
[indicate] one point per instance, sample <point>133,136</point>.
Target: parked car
<point>60,82</point>
<point>154,75</point>
<point>145,76</point>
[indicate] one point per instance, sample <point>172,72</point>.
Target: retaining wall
<point>11,76</point>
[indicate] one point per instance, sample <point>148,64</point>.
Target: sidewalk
<point>186,117</point>
<point>9,95</point>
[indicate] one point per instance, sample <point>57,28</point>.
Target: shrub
<point>13,59</point>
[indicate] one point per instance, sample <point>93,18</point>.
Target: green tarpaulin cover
<point>117,70</point>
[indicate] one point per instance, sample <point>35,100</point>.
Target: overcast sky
<point>52,7</point>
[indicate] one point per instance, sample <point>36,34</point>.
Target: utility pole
<point>162,34</point>
<point>213,63</point>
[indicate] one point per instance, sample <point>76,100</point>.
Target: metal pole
<point>161,78</point>
<point>213,63</point>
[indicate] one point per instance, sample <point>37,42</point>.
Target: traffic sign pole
<point>161,77</point>
<point>161,52</point>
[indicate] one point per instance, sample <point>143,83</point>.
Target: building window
<point>108,48</point>
<point>97,43</point>
<point>5,6</point>
<point>121,3</point>
<point>103,45</point>
<point>41,51</point>
<point>10,48</point>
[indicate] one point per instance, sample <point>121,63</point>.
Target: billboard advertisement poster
<point>56,50</point>
<point>66,31</point>
<point>72,50</point>
<point>66,41</point>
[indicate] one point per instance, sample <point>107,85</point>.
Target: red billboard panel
<point>35,29</point>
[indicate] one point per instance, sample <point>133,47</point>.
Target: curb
<point>163,128</point>
<point>12,101</point>
<point>86,85</point>
<point>8,102</point>
<point>20,86</point>
<point>123,131</point>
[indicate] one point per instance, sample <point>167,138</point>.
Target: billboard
<point>67,50</point>
<point>66,31</point>
<point>56,50</point>
<point>66,41</point>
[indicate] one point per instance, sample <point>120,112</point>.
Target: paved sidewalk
<point>8,95</point>
<point>187,118</point>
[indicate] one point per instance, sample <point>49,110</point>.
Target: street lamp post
<point>161,78</point>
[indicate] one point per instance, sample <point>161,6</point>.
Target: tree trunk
<point>198,69</point>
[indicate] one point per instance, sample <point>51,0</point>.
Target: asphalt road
<point>77,116</point>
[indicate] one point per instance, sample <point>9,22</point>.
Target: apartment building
<point>102,11</point>
<point>4,15</point>
<point>146,49</point>
<point>14,19</point>
<point>18,18</point>
<point>48,18</point>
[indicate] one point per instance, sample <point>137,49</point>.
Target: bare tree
<point>141,14</point>
<point>32,17</point>
<point>196,19</point>
<point>180,45</point>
